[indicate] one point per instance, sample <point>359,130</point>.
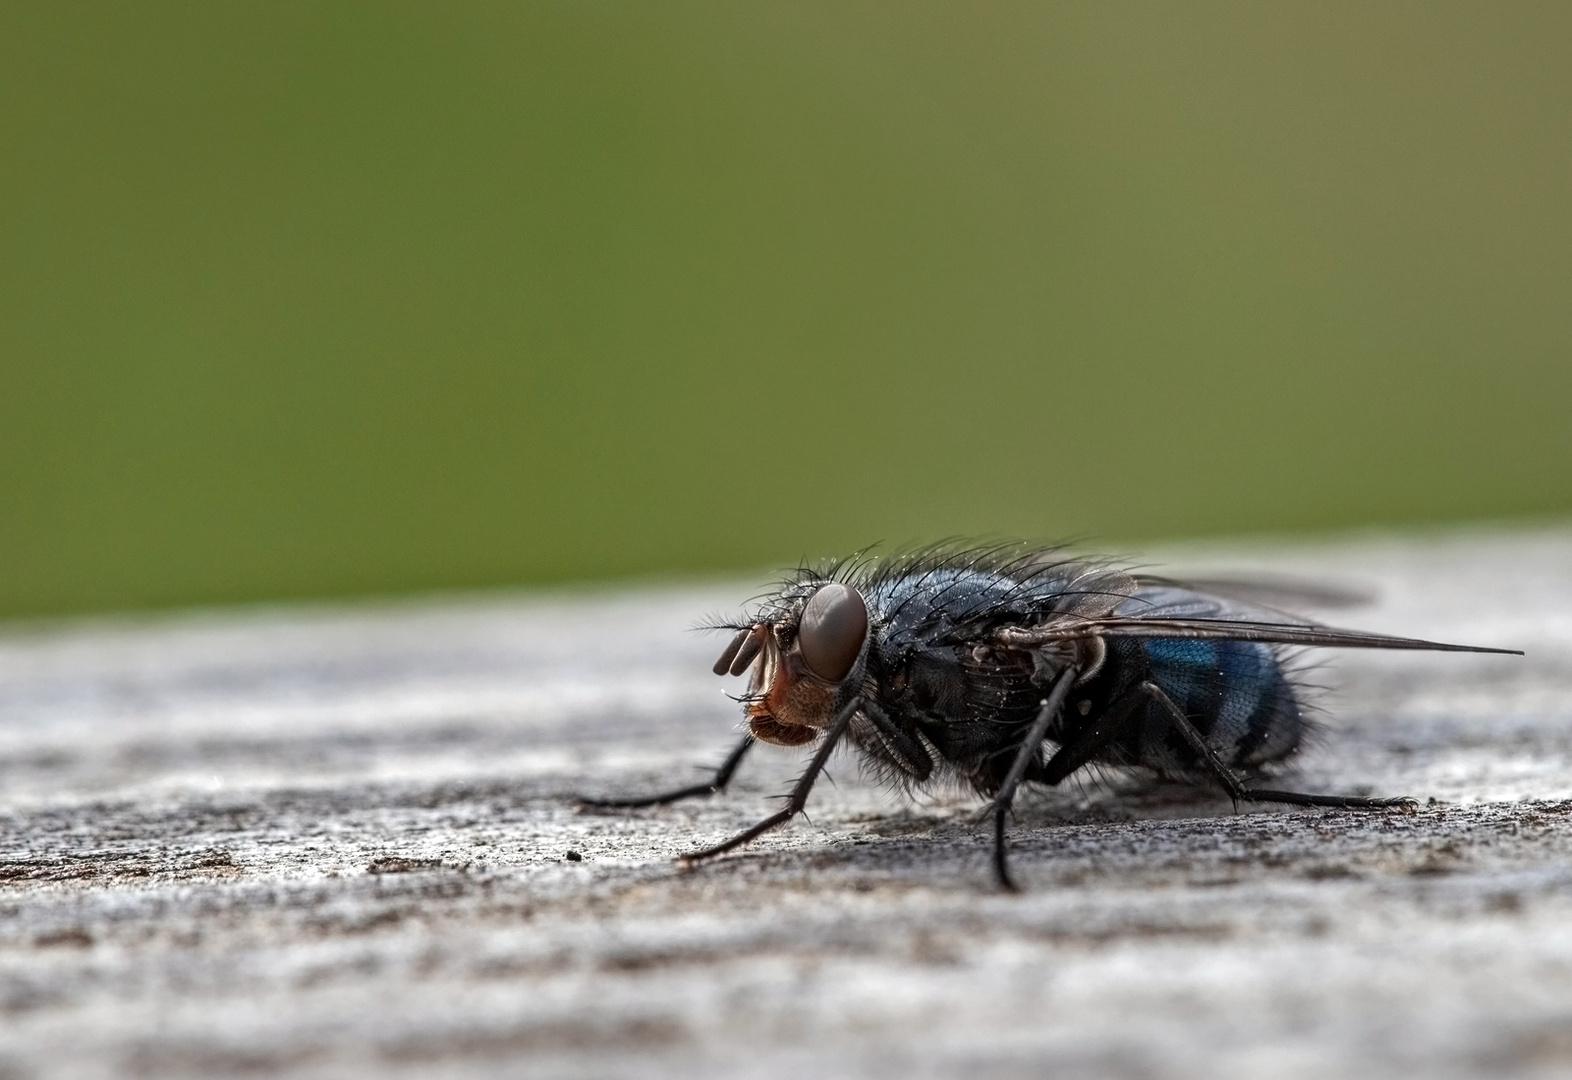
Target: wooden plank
<point>334,840</point>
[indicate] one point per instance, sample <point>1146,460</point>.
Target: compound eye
<point>834,624</point>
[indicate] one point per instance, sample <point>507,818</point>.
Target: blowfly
<point>1004,666</point>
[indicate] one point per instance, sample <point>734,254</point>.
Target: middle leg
<point>1025,757</point>
<point>1077,751</point>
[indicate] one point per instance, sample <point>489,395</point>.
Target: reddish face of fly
<point>797,686</point>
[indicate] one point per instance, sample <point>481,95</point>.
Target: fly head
<point>804,658</point>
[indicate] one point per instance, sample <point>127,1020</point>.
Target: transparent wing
<point>1164,610</point>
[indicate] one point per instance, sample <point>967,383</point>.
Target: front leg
<point>717,784</point>
<point>799,791</point>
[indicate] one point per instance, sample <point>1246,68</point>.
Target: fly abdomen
<point>1236,695</point>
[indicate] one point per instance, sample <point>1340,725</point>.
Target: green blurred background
<point>307,299</point>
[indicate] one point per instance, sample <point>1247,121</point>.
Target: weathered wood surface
<point>332,841</point>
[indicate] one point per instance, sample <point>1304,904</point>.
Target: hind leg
<point>1236,788</point>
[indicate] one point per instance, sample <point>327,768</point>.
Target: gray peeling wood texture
<point>334,841</point>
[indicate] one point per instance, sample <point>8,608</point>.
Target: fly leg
<point>902,746</point>
<point>1235,787</point>
<point>716,785</point>
<point>799,792</point>
<point>1024,758</point>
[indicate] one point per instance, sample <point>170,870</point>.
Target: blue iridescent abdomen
<point>1235,693</point>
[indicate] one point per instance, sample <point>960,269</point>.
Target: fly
<point>1005,666</point>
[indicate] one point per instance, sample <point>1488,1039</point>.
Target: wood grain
<point>332,841</point>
